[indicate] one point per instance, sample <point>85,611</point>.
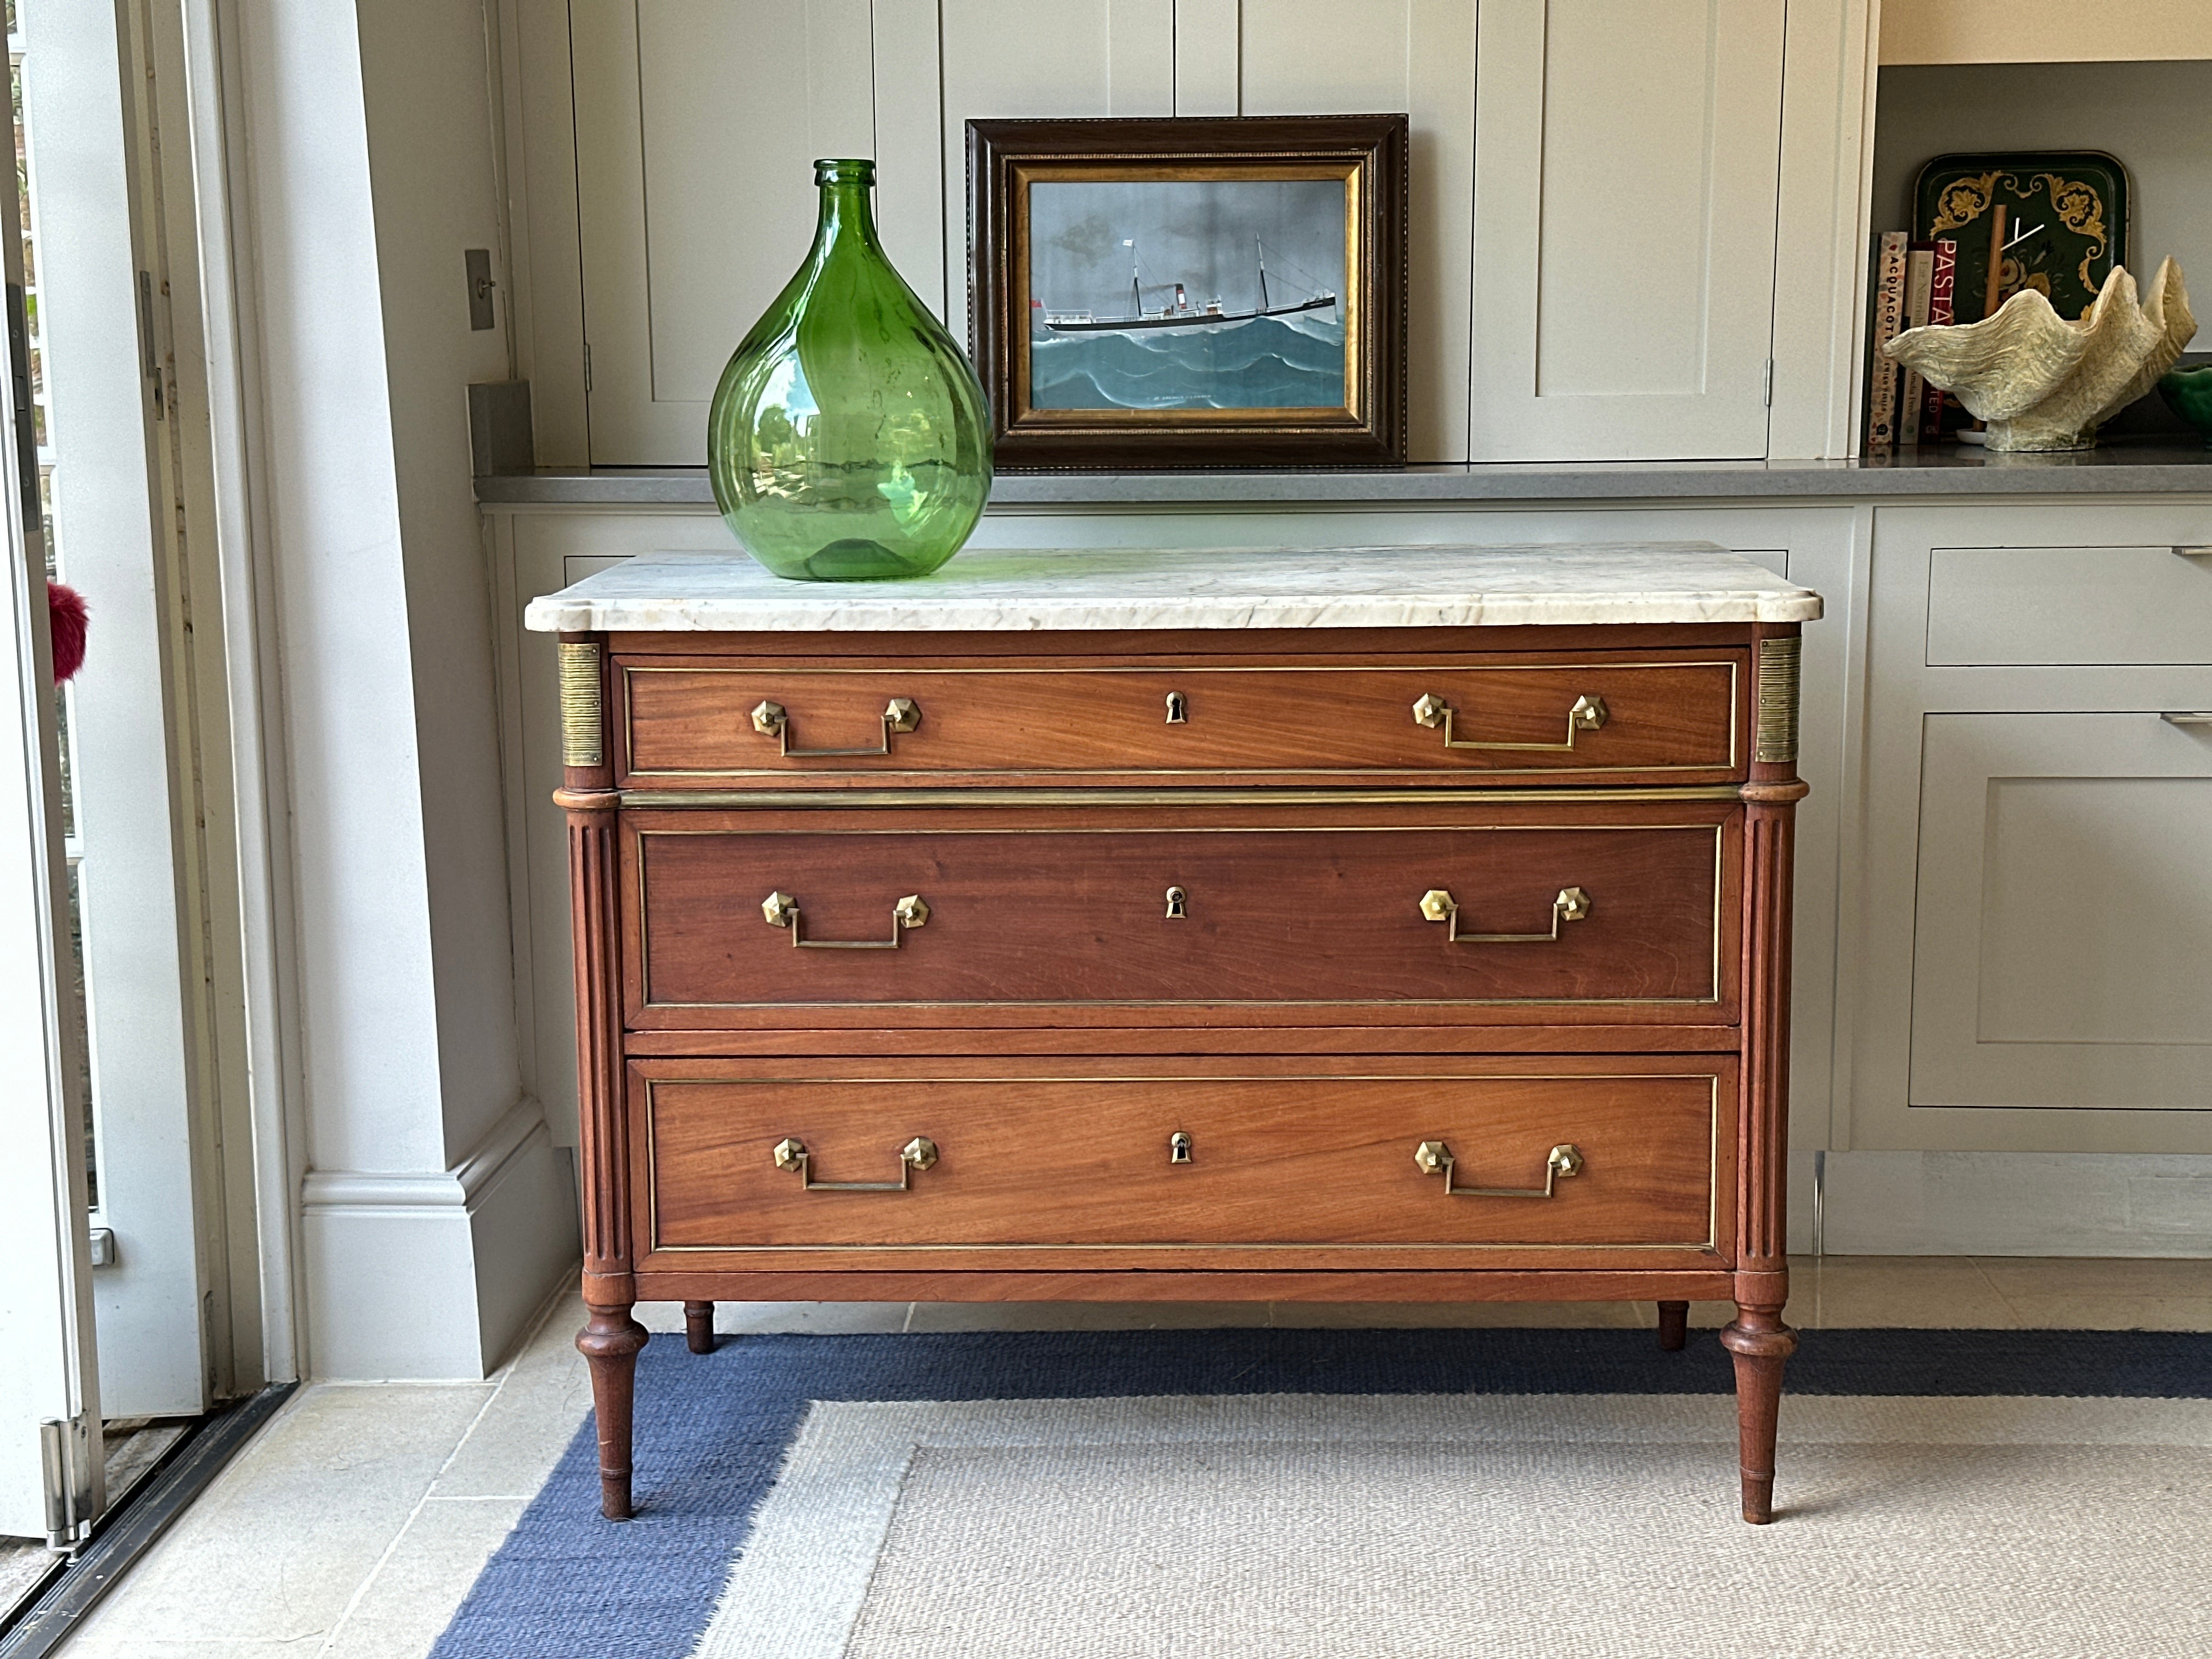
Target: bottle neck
<point>848,214</point>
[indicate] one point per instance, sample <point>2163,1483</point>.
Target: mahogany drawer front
<point>1281,1161</point>
<point>1107,910</point>
<point>1629,718</point>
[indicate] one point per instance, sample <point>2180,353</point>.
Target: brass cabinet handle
<point>791,1153</point>
<point>782,911</point>
<point>1435,1158</point>
<point>773,720</point>
<point>2187,717</point>
<point>1587,714</point>
<point>1438,905</point>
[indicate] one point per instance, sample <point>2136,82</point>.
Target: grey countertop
<point>1950,472</point>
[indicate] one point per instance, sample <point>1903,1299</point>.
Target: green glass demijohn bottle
<point>848,439</point>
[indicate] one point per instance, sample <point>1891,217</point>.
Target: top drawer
<point>1606,717</point>
<point>2058,606</point>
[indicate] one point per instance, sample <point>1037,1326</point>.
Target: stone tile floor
<point>353,1525</point>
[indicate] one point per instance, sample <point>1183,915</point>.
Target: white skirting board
<point>435,1275</point>
<point>2011,1204</point>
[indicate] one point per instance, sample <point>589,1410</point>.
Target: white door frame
<point>195,46</point>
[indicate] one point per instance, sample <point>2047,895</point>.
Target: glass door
<point>110,469</point>
<point>50,1426</point>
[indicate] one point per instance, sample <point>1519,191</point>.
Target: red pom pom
<point>66,614</point>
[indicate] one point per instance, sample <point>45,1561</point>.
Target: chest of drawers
<point>1414,929</point>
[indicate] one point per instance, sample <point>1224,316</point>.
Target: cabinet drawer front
<point>688,725</point>
<point>1123,914</point>
<point>2036,606</point>
<point>1274,1162</point>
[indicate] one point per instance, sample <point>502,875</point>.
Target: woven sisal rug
<point>1312,1494</point>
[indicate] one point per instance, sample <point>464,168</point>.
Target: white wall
<point>436,1213</point>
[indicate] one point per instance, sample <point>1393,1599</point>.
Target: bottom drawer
<point>1179,1160</point>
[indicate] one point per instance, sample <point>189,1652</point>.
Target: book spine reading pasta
<point>1888,314</point>
<point>1919,274</point>
<point>1942,311</point>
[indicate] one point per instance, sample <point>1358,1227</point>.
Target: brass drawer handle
<point>1438,905</point>
<point>773,720</point>
<point>1587,714</point>
<point>1435,1158</point>
<point>2187,717</point>
<point>791,1153</point>
<point>782,911</point>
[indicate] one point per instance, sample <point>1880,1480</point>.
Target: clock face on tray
<point>2065,223</point>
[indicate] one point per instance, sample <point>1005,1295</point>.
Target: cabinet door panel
<point>697,124</point>
<point>2065,900</point>
<point>1627,159</point>
<point>1411,55</point>
<point>1012,58</point>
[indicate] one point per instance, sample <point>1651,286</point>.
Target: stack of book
<point>1913,286</point>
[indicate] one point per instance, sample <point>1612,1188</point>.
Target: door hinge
<point>1770,383</point>
<point>587,365</point>
<point>152,348</point>
<point>65,1459</point>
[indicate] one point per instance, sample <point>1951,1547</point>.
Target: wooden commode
<point>1403,925</point>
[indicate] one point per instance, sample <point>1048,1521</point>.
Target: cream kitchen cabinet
<point>2064,907</point>
<point>1627,170</point>
<point>2030,900</point>
<point>1602,192</point>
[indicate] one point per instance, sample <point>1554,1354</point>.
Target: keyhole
<point>1176,897</point>
<point>1178,1148</point>
<point>1178,708</point>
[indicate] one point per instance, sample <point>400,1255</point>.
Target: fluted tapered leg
<point>1761,1344</point>
<point>611,1340</point>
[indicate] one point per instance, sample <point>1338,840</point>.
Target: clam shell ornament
<point>2041,382</point>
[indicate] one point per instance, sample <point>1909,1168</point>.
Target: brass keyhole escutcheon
<point>1177,901</point>
<point>1178,708</point>
<point>1178,1147</point>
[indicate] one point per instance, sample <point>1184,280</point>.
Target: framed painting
<point>1193,292</point>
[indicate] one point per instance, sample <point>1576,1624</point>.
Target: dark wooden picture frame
<point>1367,152</point>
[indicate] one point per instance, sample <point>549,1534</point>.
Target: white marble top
<point>1025,590</point>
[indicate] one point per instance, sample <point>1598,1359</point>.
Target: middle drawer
<point>1111,916</point>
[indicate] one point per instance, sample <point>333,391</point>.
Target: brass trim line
<point>582,723</point>
<point>1775,741</point>
<point>1718,831</point>
<point>1710,1243</point>
<point>1735,666</point>
<point>1228,796</point>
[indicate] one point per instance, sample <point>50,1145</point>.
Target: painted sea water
<point>1178,294</point>
<point>1269,362</point>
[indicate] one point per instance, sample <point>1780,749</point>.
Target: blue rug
<point>713,1430</point>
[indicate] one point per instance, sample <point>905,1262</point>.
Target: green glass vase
<point>848,439</point>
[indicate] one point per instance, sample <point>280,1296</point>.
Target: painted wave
<point>1270,362</point>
